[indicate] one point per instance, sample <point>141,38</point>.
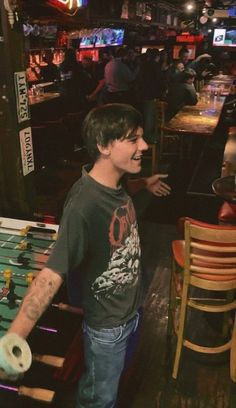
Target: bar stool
<point>152,148</point>
<point>205,259</point>
<point>73,122</point>
<point>171,144</point>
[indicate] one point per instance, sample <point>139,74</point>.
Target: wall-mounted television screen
<point>191,51</point>
<point>232,11</point>
<point>87,42</point>
<point>109,36</point>
<point>224,37</point>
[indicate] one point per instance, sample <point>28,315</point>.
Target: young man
<point>98,252</point>
<point>181,93</point>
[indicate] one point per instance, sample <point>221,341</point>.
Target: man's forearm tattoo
<point>39,296</point>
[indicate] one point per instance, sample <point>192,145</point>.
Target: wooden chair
<point>170,144</point>
<point>205,259</point>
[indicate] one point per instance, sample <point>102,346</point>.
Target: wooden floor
<point>203,382</point>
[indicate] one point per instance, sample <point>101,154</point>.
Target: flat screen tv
<point>232,11</point>
<point>224,37</point>
<point>107,37</point>
<point>87,42</point>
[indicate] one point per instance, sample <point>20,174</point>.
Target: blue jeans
<point>105,353</point>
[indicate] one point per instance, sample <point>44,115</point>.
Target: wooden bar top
<point>202,118</point>
<point>199,119</point>
<point>46,96</point>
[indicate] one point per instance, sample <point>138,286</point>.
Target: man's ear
<point>104,150</point>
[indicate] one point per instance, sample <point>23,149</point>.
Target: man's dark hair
<point>183,51</point>
<point>152,53</point>
<point>107,123</point>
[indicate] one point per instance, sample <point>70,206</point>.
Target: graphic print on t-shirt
<point>124,265</point>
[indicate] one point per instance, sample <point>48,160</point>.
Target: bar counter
<point>199,119</point>
<point>46,96</point>
<point>203,118</point>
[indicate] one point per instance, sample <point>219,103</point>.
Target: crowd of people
<point>122,75</point>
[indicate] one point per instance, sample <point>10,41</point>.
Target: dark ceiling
<point>40,10</point>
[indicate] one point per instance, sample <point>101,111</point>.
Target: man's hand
<point>205,73</point>
<point>156,186</point>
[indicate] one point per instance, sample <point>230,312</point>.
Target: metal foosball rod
<point>60,306</point>
<point>29,230</point>
<point>40,394</point>
<point>39,327</point>
<point>24,246</point>
<point>21,260</point>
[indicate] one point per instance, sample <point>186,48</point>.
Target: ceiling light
<point>189,7</point>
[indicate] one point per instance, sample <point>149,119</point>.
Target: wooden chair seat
<point>205,259</point>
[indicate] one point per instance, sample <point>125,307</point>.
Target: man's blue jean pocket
<point>105,352</point>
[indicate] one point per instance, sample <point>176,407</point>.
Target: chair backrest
<point>210,250</point>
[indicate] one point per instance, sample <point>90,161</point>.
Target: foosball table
<point>24,249</point>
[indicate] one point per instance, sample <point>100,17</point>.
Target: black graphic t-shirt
<point>98,250</point>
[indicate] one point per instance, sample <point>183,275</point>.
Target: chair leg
<point>227,315</point>
<point>233,354</point>
<point>170,324</point>
<point>183,310</point>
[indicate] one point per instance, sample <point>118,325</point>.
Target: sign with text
<point>189,38</point>
<point>27,154</point>
<point>21,90</point>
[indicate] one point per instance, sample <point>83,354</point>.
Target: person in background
<point>165,65</point>
<point>184,56</point>
<point>69,85</point>
<point>49,72</point>
<point>149,85</point>
<point>175,72</point>
<point>182,93</point>
<point>203,67</point>
<point>88,81</point>
<point>98,252</point>
<point>119,78</point>
<point>98,94</point>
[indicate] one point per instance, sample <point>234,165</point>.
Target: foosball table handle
<point>39,394</point>
<point>68,308</point>
<point>53,361</point>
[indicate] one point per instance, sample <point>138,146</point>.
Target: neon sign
<point>70,5</point>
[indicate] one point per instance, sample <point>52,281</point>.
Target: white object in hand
<point>15,354</point>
